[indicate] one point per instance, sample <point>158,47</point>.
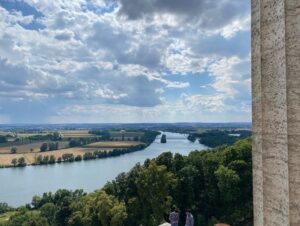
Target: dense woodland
<point>216,137</point>
<point>215,184</point>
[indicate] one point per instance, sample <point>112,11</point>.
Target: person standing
<point>174,217</point>
<point>189,221</point>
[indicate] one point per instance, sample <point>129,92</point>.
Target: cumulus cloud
<point>206,13</point>
<point>123,54</point>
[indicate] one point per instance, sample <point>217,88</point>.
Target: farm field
<point>26,135</point>
<point>75,133</point>
<point>126,134</point>
<point>25,148</point>
<point>6,158</point>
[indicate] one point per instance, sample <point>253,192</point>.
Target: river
<point>19,185</point>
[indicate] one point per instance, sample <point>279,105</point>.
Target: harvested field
<point>76,133</point>
<point>25,148</point>
<point>5,159</point>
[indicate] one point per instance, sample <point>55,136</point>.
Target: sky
<point>124,61</point>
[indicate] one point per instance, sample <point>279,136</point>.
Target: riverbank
<point>92,151</point>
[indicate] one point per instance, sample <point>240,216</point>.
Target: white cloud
<point>109,94</point>
<point>228,73</point>
<point>241,24</point>
<point>88,54</point>
<point>178,85</point>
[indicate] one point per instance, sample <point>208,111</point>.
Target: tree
<point>14,161</point>
<point>74,143</point>
<point>13,150</point>
<point>153,188</point>
<point>52,146</point>
<point>38,160</point>
<point>165,159</point>
<point>4,207</point>
<point>78,158</point>
<point>52,159</point>
<point>45,159</point>
<point>21,161</point>
<point>68,157</point>
<point>163,139</point>
<point>228,181</point>
<point>56,136</point>
<point>27,218</point>
<point>48,211</point>
<point>44,147</point>
<point>98,208</point>
<point>3,139</point>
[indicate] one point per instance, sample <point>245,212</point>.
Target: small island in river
<point>163,139</point>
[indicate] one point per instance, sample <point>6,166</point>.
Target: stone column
<point>276,112</point>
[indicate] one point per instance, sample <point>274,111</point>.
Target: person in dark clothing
<point>174,217</point>
<point>189,221</point>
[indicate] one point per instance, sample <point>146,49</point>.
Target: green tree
<point>153,188</point>
<point>48,211</point>
<point>13,150</point>
<point>78,158</point>
<point>56,136</point>
<point>44,147</point>
<point>3,139</point>
<point>45,159</point>
<point>14,161</point>
<point>38,160</point>
<point>27,218</point>
<point>228,181</point>
<point>98,208</point>
<point>4,207</point>
<point>52,159</point>
<point>21,161</point>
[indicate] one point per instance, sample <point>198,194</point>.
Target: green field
<point>75,133</point>
<point>126,134</point>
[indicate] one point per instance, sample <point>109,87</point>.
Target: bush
<point>21,162</point>
<point>13,150</point>
<point>78,158</point>
<point>44,147</point>
<point>52,159</point>
<point>88,156</point>
<point>68,157</point>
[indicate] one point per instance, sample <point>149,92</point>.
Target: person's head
<point>174,208</point>
<point>188,212</point>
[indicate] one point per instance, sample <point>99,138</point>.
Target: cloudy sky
<point>79,61</point>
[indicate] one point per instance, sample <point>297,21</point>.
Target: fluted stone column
<point>276,112</point>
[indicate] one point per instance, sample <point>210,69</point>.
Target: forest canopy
<point>215,184</point>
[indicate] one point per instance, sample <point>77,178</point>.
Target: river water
<point>19,185</point>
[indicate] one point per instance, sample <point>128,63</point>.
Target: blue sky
<point>124,61</point>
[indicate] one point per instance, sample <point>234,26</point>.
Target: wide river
<point>19,185</point>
